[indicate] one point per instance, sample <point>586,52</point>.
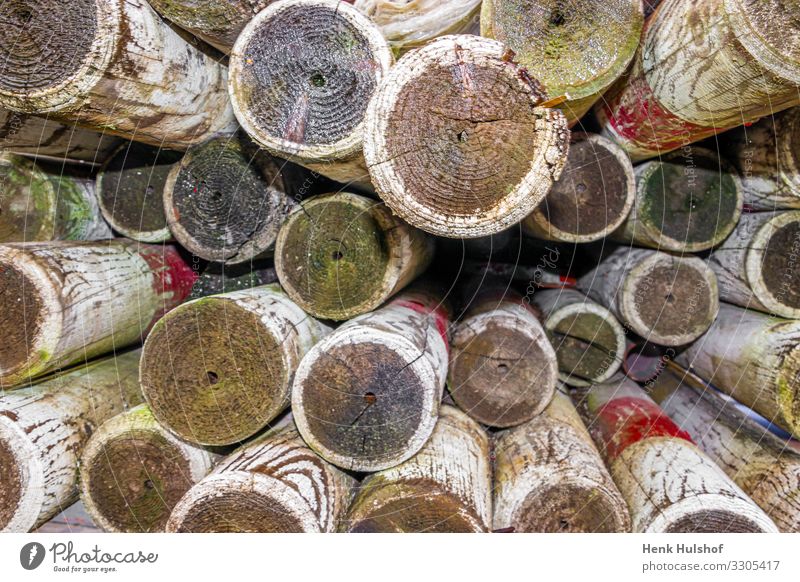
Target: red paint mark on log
<point>439,313</point>
<point>173,278</point>
<point>627,420</point>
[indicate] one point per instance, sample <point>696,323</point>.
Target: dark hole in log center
<point>337,255</point>
<point>370,398</point>
<point>318,80</point>
<point>564,524</point>
<point>24,14</point>
<point>670,298</point>
<point>557,17</point>
<point>502,367</point>
<point>462,137</point>
<point>149,484</point>
<point>213,378</point>
<point>580,188</point>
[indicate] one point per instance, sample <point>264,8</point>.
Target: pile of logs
<point>378,266</point>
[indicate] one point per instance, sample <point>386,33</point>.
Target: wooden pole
<point>366,398</point>
<point>275,484</point>
<point>134,472</point>
<point>39,137</point>
<point>217,370</point>
<point>341,255</point>
<point>217,23</point>
<point>130,190</point>
<point>445,487</point>
<point>503,370</point>
<point>669,484</point>
<point>589,341</point>
<point>767,157</point>
<point>549,477</point>
<point>758,461</point>
<point>576,48</point>
<point>43,429</point>
<point>457,142</point>
<point>754,358</point>
<point>593,196</point>
<point>113,66</point>
<point>226,200</point>
<point>40,205</point>
<point>704,66</point>
<point>218,278</point>
<point>666,299</point>
<point>410,25</point>
<point>66,302</point>
<point>689,201</point>
<point>301,75</point>
<point>758,266</point>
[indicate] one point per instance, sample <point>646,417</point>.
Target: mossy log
<point>758,461</point>
<point>666,299</point>
<point>550,478</point>
<point>44,428</point>
<point>593,196</point>
<point>457,141</point>
<point>301,75</point>
<point>669,484</point>
<point>275,484</point>
<point>66,302</point>
<point>134,472</point>
<point>37,204</point>
<point>756,359</point>
<point>686,202</point>
<point>704,66</point>
<point>113,66</point>
<point>217,370</point>
<point>503,369</point>
<point>342,255</point>
<point>445,487</point>
<point>367,397</point>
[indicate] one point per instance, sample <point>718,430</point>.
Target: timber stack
<point>381,266</point>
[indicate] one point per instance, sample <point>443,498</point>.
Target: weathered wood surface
<point>686,202</point>
<point>503,369</point>
<point>218,278</point>
<point>759,462</point>
<point>367,396</point>
<point>588,340</point>
<point>113,66</point>
<point>225,200</point>
<point>38,204</point>
<point>758,266</point>
<point>301,76</point>
<point>66,302</point>
<point>577,49</point>
<point>669,484</point>
<point>457,143</point>
<point>704,66</point>
<point>411,24</point>
<point>549,477</point>
<point>666,299</point>
<point>43,429</point>
<point>445,487</point>
<point>342,255</point>
<point>39,137</point>
<point>134,472</point>
<point>754,358</point>
<point>275,484</point>
<point>767,156</point>
<point>217,370</point>
<point>593,196</point>
<point>130,191</point>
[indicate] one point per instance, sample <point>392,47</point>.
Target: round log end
<point>669,300</point>
<point>589,343</point>
<point>773,485</point>
<point>773,264</point>
<point>213,372</point>
<point>503,370</point>
<point>702,514</point>
<point>224,202</point>
<point>130,190</point>
<point>242,502</point>
<point>455,142</point>
<point>333,257</point>
<point>365,400</point>
<point>45,70</point>
<point>593,196</point>
<point>21,478</point>
<point>788,389</point>
<point>301,76</point>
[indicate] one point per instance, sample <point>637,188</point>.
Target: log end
<point>697,515</point>
<point>773,485</point>
<point>771,264</point>
<point>22,485</point>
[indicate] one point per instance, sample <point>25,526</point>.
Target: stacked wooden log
<point>324,266</point>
